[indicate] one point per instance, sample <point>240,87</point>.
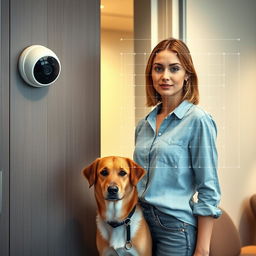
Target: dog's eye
<point>104,172</point>
<point>122,173</point>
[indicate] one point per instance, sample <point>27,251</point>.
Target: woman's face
<point>168,75</point>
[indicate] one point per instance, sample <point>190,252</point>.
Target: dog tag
<point>124,252</point>
<point>128,245</point>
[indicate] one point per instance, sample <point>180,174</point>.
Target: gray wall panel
<point>4,128</point>
<point>54,131</point>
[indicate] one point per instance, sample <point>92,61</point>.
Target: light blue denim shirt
<point>180,159</point>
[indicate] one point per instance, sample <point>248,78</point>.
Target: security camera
<point>39,66</point>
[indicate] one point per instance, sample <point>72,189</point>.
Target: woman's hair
<point>190,88</point>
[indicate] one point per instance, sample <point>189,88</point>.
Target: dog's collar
<point>115,224</point>
<point>127,222</point>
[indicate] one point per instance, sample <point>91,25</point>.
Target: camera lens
<point>46,70</point>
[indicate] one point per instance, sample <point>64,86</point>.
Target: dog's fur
<point>114,179</point>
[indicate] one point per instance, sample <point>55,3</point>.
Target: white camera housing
<point>39,66</point>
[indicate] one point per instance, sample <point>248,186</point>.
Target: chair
<point>226,241</point>
<point>253,204</point>
<point>251,248</point>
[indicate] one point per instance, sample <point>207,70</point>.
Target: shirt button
<point>159,134</point>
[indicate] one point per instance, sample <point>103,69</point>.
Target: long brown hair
<point>190,88</point>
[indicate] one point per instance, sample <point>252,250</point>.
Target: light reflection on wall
<point>117,79</point>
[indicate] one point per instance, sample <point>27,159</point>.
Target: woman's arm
<point>204,162</point>
<point>204,232</point>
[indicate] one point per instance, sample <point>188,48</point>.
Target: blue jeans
<point>170,236</point>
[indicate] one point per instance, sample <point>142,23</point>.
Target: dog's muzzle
<point>113,193</point>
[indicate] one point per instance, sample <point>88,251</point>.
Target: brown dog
<point>121,228</point>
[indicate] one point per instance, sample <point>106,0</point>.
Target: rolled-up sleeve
<point>204,161</point>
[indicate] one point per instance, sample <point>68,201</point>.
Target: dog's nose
<point>112,190</point>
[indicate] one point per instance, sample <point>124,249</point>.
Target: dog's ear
<point>136,171</point>
<point>90,172</point>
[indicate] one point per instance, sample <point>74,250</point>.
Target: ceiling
<point>117,15</point>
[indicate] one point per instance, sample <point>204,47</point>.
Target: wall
<point>221,37</point>
<point>117,93</point>
<point>49,134</point>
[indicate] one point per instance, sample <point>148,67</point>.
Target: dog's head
<point>113,176</point>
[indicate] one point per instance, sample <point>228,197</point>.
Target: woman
<point>175,143</point>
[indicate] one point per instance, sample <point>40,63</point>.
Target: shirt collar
<point>182,109</point>
<point>179,111</point>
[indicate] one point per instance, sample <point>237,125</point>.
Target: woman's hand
<point>201,253</point>
<point>205,225</point>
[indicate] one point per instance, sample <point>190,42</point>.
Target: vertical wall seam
<point>9,133</point>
